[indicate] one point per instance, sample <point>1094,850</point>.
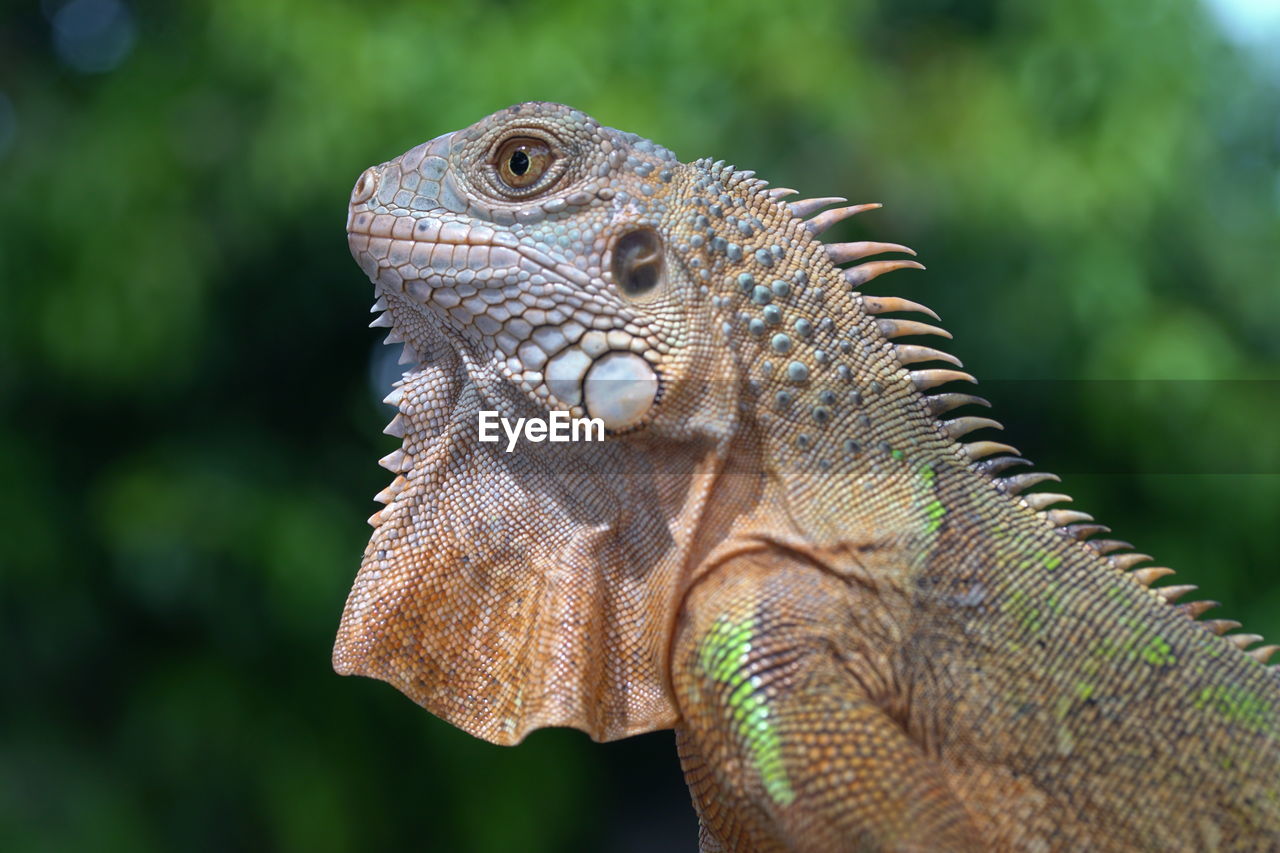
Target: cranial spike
<point>375,519</point>
<point>941,403</point>
<point>1109,546</point>
<point>1084,531</point>
<point>382,321</point>
<point>913,353</point>
<point>379,306</point>
<point>780,192</point>
<point>979,449</point>
<point>926,379</point>
<point>890,304</point>
<point>863,273</point>
<point>396,461</point>
<point>1262,654</point>
<point>1148,576</point>
<point>1063,517</point>
<point>394,398</point>
<point>1173,593</point>
<point>1244,641</point>
<point>900,328</point>
<point>1040,500</point>
<point>805,208</point>
<point>842,253</point>
<point>1220,626</point>
<point>408,355</point>
<point>827,218</point>
<point>1195,609</point>
<point>957,427</point>
<point>1125,562</point>
<point>1019,483</point>
<point>393,337</point>
<point>396,427</point>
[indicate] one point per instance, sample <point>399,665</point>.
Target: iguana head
<point>533,244</point>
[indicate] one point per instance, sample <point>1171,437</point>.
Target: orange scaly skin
<point>864,635</point>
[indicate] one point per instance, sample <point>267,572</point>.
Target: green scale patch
<point>723,655</point>
<point>1241,705</point>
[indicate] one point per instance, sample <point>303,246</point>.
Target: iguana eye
<point>637,263</point>
<point>522,161</point>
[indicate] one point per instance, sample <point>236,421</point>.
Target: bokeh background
<point>189,414</point>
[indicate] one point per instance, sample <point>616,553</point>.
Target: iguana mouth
<point>532,315</point>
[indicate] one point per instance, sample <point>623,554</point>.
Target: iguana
<point>866,633</point>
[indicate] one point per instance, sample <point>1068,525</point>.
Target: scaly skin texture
<point>866,634</point>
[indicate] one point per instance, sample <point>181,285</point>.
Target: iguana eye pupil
<point>522,162</point>
<point>637,262</point>
<point>641,280</point>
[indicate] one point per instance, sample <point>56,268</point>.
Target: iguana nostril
<point>637,262</point>
<point>365,186</point>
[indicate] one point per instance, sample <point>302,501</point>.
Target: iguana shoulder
<point>867,632</point>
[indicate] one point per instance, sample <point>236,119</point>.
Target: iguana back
<point>867,633</point>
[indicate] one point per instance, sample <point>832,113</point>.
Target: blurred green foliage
<point>188,424</point>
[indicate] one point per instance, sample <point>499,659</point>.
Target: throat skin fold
<point>497,649</point>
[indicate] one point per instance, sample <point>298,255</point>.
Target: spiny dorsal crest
<point>993,459</point>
